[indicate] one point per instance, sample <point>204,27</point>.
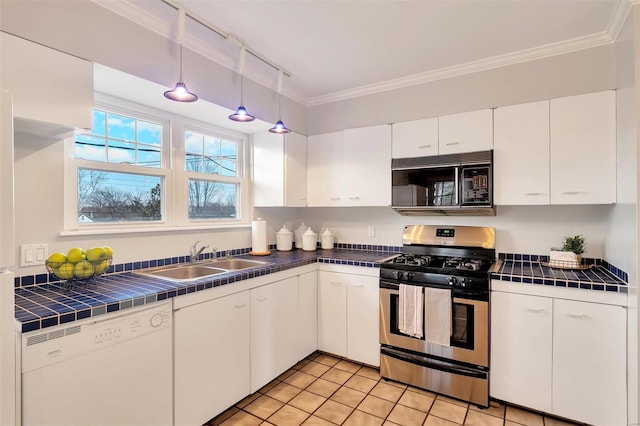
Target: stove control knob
<point>453,281</point>
<point>463,283</point>
<point>409,276</point>
<point>398,275</point>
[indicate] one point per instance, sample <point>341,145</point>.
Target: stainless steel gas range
<point>434,311</point>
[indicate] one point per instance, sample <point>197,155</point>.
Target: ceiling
<point>340,49</point>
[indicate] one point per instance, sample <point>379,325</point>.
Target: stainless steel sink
<point>184,273</point>
<point>236,264</point>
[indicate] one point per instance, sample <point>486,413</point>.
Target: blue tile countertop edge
<point>44,301</point>
<point>528,269</point>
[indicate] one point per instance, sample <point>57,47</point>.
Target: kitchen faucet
<point>196,252</point>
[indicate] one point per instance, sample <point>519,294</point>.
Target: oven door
<point>470,326</point>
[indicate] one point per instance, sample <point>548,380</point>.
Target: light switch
<point>33,254</point>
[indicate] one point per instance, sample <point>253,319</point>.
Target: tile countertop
<point>47,305</point>
<point>597,277</point>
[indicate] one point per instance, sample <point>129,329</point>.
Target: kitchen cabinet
<point>583,149</point>
<point>274,330</point>
<point>348,316</point>
<point>589,362</point>
<point>521,351</point>
<point>466,132</point>
<point>211,357</point>
<point>52,90</point>
<point>307,314</point>
<point>417,138</point>
<point>279,170</point>
<point>521,154</point>
<point>560,356</point>
<point>350,168</point>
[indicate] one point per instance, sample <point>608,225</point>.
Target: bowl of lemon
<point>79,264</point>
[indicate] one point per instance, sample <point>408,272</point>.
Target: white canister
<point>309,240</point>
<point>298,233</point>
<point>284,239</point>
<point>327,240</point>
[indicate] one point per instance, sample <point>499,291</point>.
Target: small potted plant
<point>570,255</point>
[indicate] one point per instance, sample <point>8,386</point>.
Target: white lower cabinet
<point>307,314</point>
<point>348,315</point>
<point>274,330</point>
<point>563,357</point>
<point>211,355</point>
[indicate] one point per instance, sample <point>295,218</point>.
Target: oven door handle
<point>434,364</point>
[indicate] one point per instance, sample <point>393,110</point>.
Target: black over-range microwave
<point>452,184</point>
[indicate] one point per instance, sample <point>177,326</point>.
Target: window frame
<point>175,214</point>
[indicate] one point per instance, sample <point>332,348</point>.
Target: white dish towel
<point>410,309</point>
<point>437,316</point>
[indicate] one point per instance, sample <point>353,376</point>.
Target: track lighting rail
<point>226,35</point>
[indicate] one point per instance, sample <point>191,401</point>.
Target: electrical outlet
<point>33,254</point>
<point>371,231</point>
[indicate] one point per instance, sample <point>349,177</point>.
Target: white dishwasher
<point>114,369</point>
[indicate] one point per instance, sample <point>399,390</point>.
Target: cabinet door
<point>274,330</point>
<point>211,355</point>
<point>589,362</point>
<point>521,154</point>
<point>521,328</point>
<point>466,132</point>
<point>367,166</point>
<point>332,319</point>
<point>583,149</point>
<point>363,314</point>
<point>47,85</point>
<point>308,313</point>
<point>295,174</point>
<point>325,175</point>
<point>268,170</point>
<point>417,138</point>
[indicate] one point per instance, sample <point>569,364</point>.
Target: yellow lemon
<point>65,271</point>
<point>108,250</point>
<point>56,259</point>
<point>100,268</point>
<point>96,255</point>
<point>75,255</point>
<point>83,269</point>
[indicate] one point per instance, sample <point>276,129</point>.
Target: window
<point>139,167</point>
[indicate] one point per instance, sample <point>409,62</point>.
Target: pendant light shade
<point>180,93</point>
<point>241,113</point>
<point>279,127</point>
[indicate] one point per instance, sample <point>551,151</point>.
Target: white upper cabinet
<point>466,132</point>
<point>521,154</point>
<point>350,168</point>
<point>48,86</point>
<point>417,138</point>
<point>583,149</point>
<point>279,170</point>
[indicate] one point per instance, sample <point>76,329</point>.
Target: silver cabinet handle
<point>536,310</point>
<point>570,192</point>
<point>262,298</point>
<point>240,305</point>
<point>357,285</point>
<point>355,197</point>
<point>425,146</point>
<point>531,193</point>
<point>453,143</point>
<point>335,198</point>
<point>336,282</point>
<point>569,314</point>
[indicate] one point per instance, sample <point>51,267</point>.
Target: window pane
<point>229,149</point>
<point>218,157</point>
<point>212,200</point>
<point>211,146</point>
<point>229,168</point>
<point>193,143</point>
<point>121,127</point>
<point>121,152</point>
<point>194,163</point>
<point>149,133</point>
<point>149,157</point>
<point>99,123</point>
<point>90,148</point>
<point>118,197</point>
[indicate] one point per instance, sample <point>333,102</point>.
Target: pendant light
<point>241,113</point>
<point>180,93</point>
<point>279,127</point>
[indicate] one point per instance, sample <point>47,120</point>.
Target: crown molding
<point>552,49</point>
<point>619,17</point>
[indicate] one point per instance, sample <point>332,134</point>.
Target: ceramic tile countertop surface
<point>597,277</point>
<point>54,303</point>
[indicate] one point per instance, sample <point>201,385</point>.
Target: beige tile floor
<point>323,390</point>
